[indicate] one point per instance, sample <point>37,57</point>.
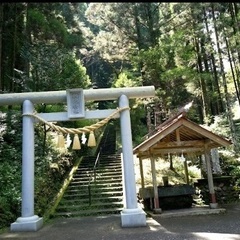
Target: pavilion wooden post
<point>141,173</point>
<point>184,160</point>
<point>155,188</point>
<point>213,201</point>
<point>186,171</point>
<point>141,190</point>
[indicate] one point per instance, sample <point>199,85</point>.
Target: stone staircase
<point>103,196</point>
<point>98,192</point>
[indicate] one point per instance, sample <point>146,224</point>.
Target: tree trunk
<point>202,84</point>
<point>228,105</point>
<point>27,34</point>
<point>217,104</point>
<point>1,29</point>
<point>235,26</point>
<point>232,70</point>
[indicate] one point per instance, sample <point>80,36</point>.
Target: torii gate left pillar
<point>132,215</point>
<point>28,221</point>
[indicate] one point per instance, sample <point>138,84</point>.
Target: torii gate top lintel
<point>89,95</point>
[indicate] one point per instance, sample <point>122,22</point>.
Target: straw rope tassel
<point>61,141</point>
<point>91,140</point>
<point>76,143</point>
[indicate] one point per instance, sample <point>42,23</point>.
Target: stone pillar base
<point>213,205</point>
<point>27,224</point>
<point>157,210</point>
<point>133,218</point>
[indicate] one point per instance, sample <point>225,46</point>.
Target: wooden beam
<point>207,134</point>
<point>173,151</point>
<point>194,143</point>
<point>157,137</point>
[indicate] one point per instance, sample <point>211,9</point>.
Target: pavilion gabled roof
<point>179,135</point>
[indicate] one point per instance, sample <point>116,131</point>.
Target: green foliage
<point>230,164</point>
<point>74,74</point>
<point>47,23</point>
<point>229,160</point>
<point>159,69</point>
<point>52,68</point>
<point>37,19</point>
<point>59,29</point>
<point>125,80</point>
<point>10,166</point>
<point>220,126</point>
<point>235,172</point>
<point>138,121</point>
<point>50,174</point>
<point>10,189</point>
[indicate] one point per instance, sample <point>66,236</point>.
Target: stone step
<point>101,174</point>
<point>93,200</point>
<point>85,194</point>
<point>110,187</point>
<point>102,184</point>
<point>95,191</point>
<point>99,183</point>
<point>89,212</point>
<point>107,168</point>
<point>93,205</point>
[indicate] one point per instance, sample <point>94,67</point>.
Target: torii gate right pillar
<point>132,215</point>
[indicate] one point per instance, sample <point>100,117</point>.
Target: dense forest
<point>190,52</point>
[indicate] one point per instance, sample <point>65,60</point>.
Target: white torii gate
<point>131,215</point>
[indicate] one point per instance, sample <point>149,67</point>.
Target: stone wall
<point>223,186</point>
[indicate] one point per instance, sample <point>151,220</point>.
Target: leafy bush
<point>10,167</point>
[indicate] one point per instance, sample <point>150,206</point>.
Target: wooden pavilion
<point>179,135</point>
